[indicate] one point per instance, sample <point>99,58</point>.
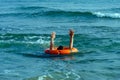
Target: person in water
<point>52,41</point>
<point>71,33</point>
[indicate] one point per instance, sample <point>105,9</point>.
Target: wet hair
<point>60,48</point>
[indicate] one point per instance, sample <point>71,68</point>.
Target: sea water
<point>25,28</point>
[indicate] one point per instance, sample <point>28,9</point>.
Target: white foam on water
<point>32,37</point>
<point>112,15</point>
<point>76,75</point>
<point>11,72</point>
<point>41,77</point>
<point>26,41</point>
<point>45,76</point>
<point>59,76</point>
<point>40,40</point>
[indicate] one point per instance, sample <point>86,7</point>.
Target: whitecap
<point>112,15</point>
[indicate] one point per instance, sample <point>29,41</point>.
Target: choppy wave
<point>11,39</point>
<point>57,13</point>
<point>47,13</point>
<point>10,72</point>
<point>57,76</point>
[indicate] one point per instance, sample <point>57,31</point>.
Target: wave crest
<point>109,15</point>
<point>58,13</point>
<point>24,39</point>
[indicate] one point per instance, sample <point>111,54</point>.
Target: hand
<point>53,35</point>
<point>71,33</point>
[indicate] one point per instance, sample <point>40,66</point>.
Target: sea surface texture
<point>25,28</point>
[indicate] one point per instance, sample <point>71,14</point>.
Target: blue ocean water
<point>25,28</point>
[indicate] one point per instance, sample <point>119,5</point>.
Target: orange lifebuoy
<point>64,51</point>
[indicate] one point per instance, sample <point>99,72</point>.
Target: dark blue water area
<point>25,28</point>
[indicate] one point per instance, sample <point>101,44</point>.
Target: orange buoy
<point>64,51</point>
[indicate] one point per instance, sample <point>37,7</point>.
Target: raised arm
<point>52,41</point>
<point>71,33</point>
